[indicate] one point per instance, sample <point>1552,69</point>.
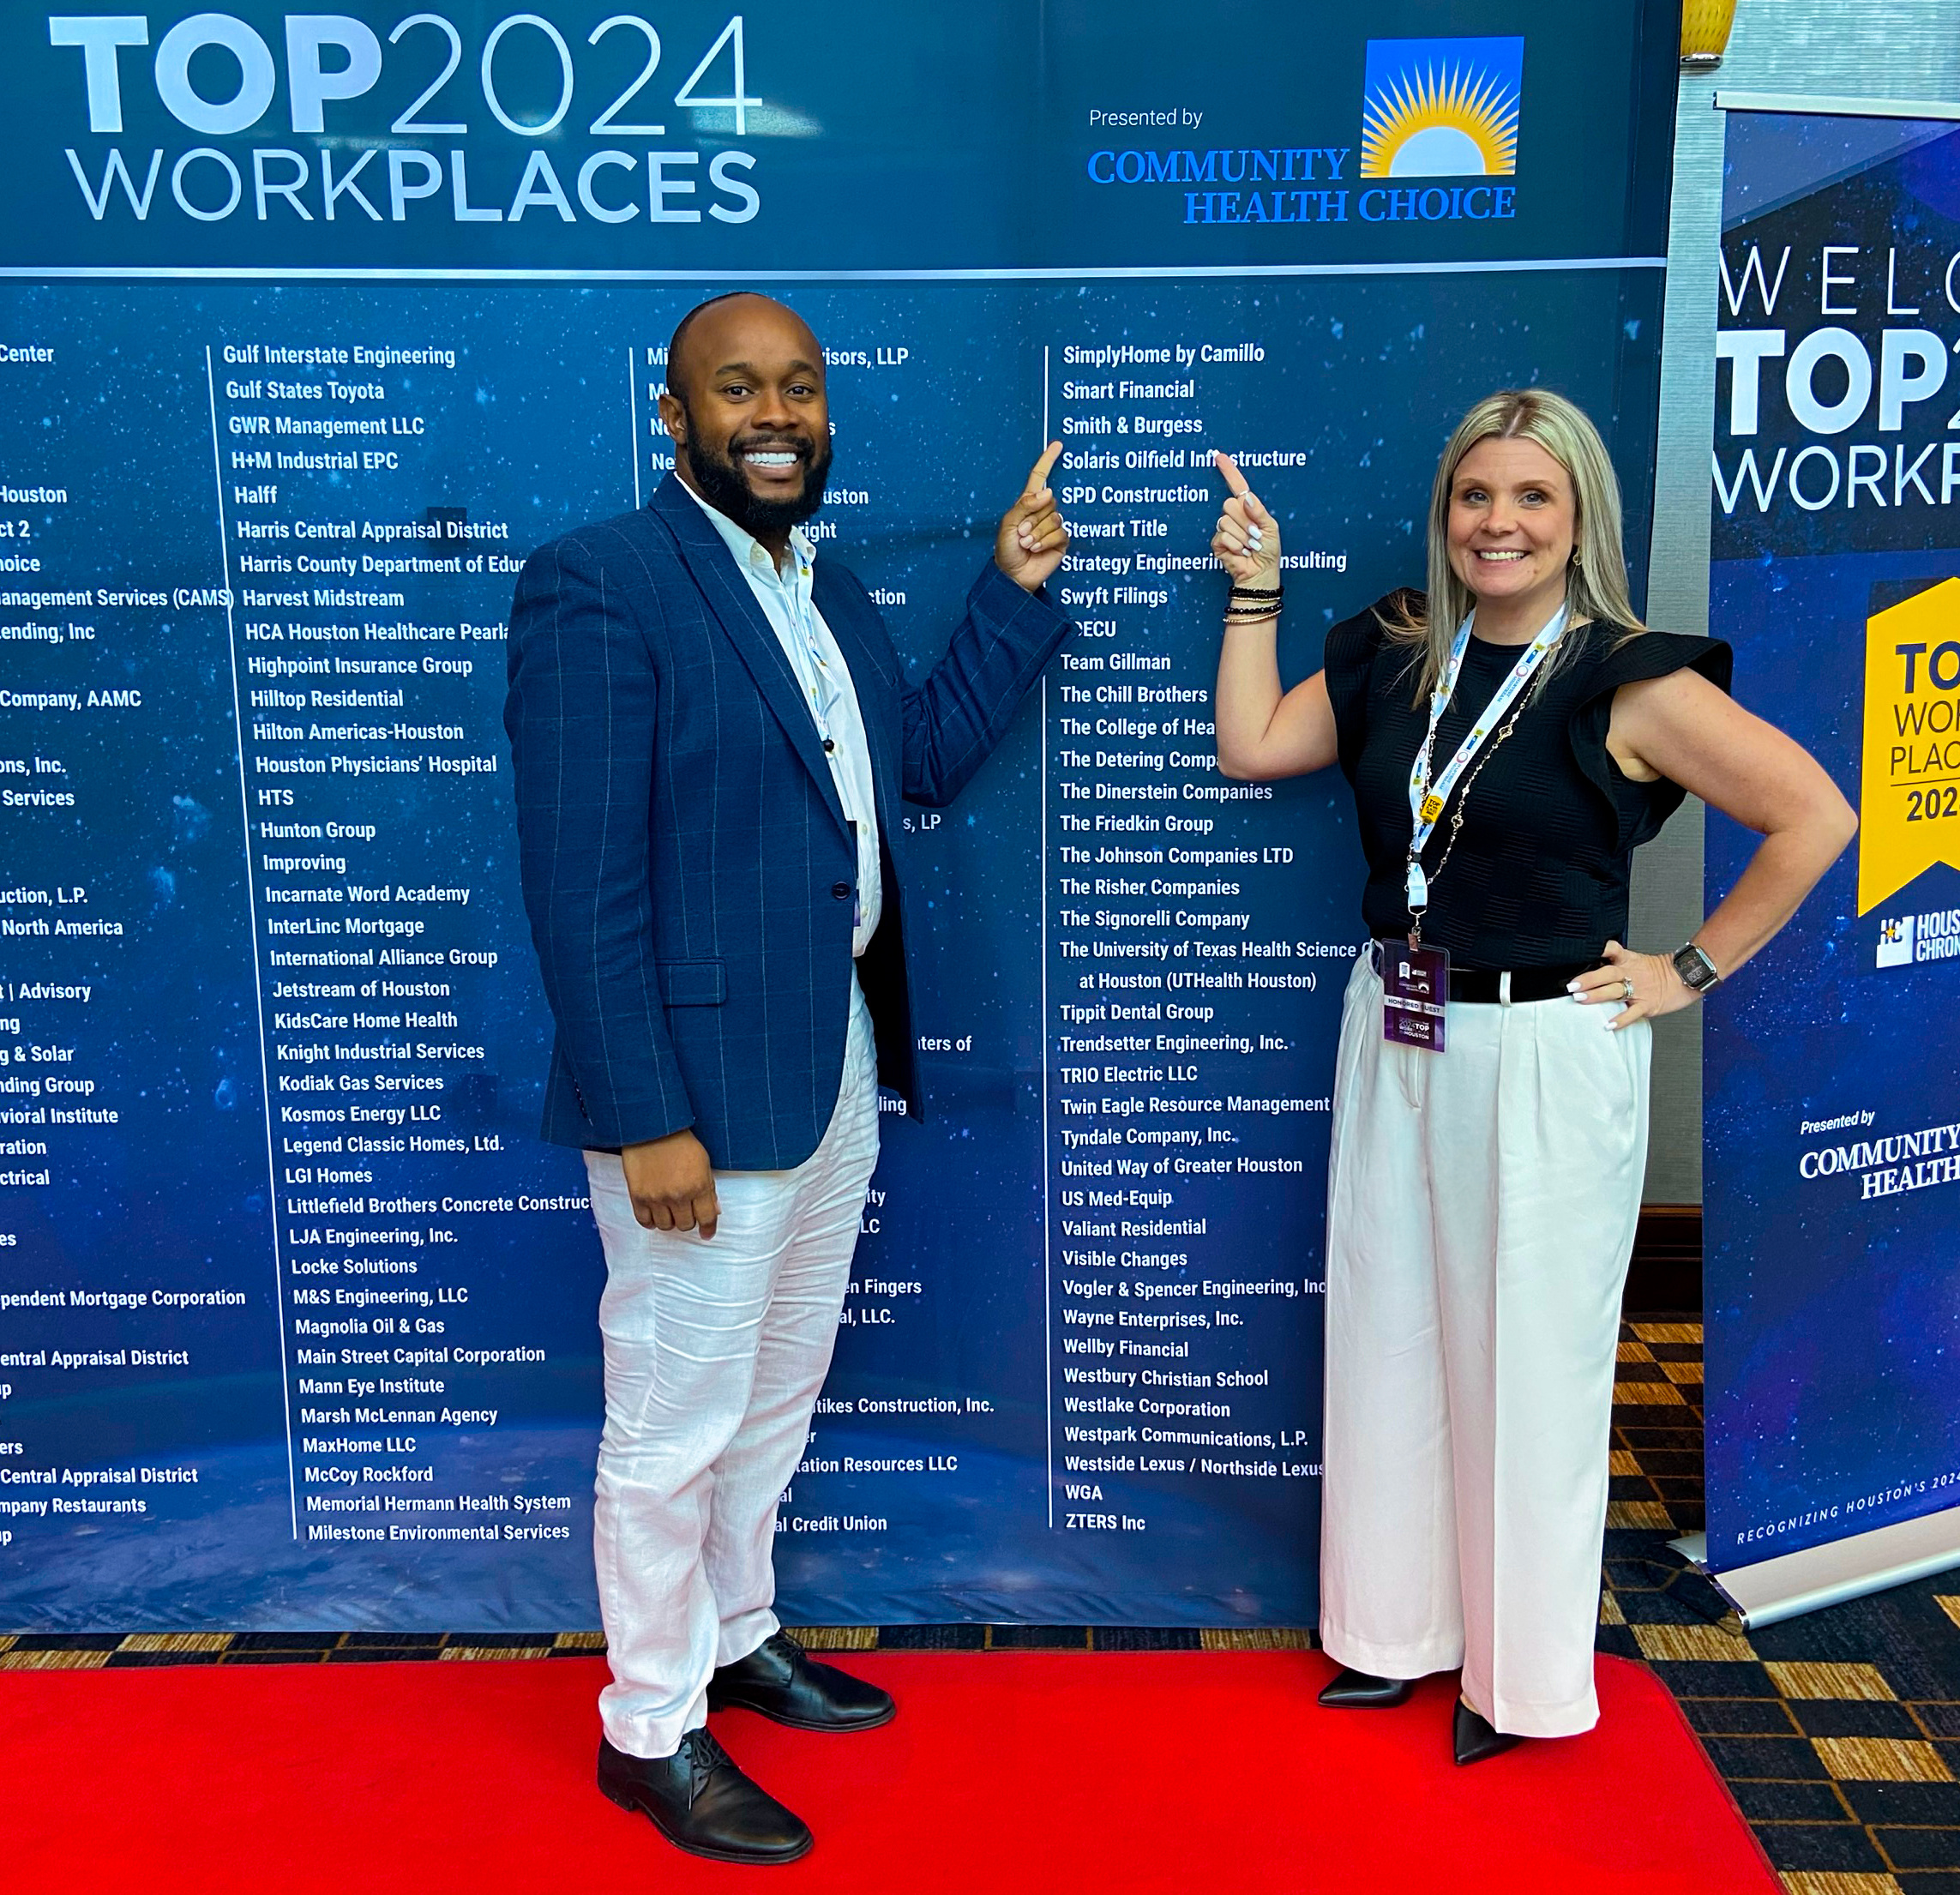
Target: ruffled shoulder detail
<point>1630,658</point>
<point>1352,647</point>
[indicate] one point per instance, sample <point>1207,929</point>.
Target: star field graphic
<point>297,1313</point>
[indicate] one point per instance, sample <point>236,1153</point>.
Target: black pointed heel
<point>1473,1740</point>
<point>1362,1691</point>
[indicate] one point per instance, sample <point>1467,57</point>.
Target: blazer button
<point>841,890</point>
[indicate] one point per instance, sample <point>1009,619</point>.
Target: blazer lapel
<point>726,591</point>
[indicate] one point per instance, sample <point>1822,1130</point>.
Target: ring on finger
<point>1626,989</point>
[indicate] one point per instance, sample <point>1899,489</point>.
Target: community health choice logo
<point>1441,108</point>
<point>1432,109</point>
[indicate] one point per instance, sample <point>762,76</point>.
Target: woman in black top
<point>1513,734</point>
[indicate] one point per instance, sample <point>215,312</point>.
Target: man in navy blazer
<point>713,734</point>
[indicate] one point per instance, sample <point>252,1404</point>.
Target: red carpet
<point>1005,1774</point>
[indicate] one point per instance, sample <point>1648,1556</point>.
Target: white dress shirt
<point>829,695</point>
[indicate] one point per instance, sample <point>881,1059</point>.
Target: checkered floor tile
<point>1838,1733</point>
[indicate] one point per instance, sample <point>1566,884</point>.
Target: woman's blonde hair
<point>1596,582</point>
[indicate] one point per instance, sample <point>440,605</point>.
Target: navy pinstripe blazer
<point>687,867</point>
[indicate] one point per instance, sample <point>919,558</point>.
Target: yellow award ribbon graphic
<point>1909,817</point>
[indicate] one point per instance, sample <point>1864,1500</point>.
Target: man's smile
<point>773,463</point>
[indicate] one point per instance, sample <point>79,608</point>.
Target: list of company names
<point>73,701</point>
<point>302,704</point>
<point>1172,970</point>
<point>361,626</point>
<point>345,635</point>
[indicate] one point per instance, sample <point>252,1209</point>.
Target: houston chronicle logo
<point>1904,939</point>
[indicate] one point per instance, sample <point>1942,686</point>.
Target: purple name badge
<point>1414,985</point>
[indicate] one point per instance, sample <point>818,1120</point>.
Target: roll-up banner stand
<point>1833,1120</point>
<point>315,326</point>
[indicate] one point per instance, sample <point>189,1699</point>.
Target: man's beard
<point>721,482</point>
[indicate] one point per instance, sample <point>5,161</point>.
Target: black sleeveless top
<point>1538,877</point>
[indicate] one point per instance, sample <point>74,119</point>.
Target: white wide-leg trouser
<point>1482,1205</point>
<point>715,1350</point>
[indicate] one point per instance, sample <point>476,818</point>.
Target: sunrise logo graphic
<point>1441,108</point>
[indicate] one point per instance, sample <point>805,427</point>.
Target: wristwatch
<point>1699,973</point>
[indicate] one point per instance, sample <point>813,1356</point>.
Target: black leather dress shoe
<point>1362,1691</point>
<point>1473,1740</point>
<point>701,1803</point>
<point>779,1680</point>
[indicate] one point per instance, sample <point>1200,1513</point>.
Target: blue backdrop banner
<point>314,325</point>
<point>1833,1190</point>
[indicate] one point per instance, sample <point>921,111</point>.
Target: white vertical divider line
<point>1047,1154</point>
<point>252,908</point>
<point>633,408</point>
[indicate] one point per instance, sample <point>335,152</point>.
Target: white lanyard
<point>1427,802</point>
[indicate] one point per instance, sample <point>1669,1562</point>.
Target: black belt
<point>1483,986</point>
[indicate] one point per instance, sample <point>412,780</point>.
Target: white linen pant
<point>715,1350</point>
<point>1482,1205</point>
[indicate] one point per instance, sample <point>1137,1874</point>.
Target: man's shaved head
<point>745,407</point>
<point>678,343</point>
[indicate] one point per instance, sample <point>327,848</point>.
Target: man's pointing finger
<point>1038,478</point>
